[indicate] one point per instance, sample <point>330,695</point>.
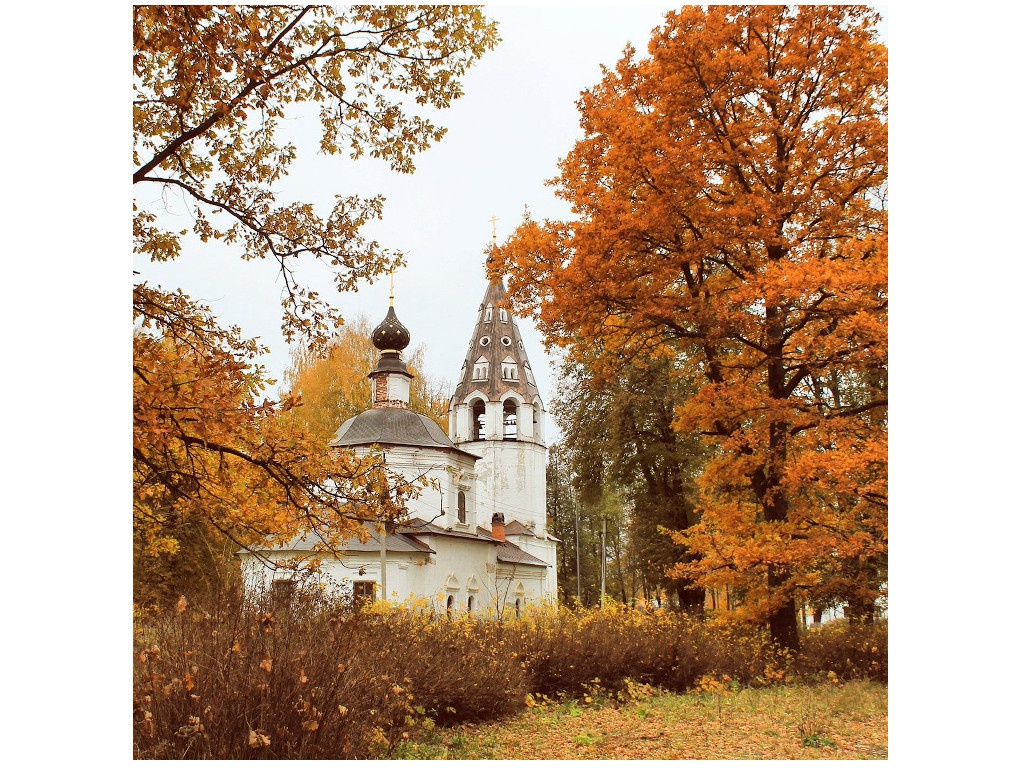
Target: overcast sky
<point>505,137</point>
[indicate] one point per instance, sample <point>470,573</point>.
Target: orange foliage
<point>205,450</point>
<point>336,386</point>
<point>730,211</point>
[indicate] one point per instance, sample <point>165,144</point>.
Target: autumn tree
<point>619,441</point>
<point>210,458</point>
<point>213,85</point>
<point>729,212</point>
<point>335,387</point>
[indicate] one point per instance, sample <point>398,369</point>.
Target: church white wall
<point>445,473</point>
<point>512,481</point>
<point>336,575</point>
<point>526,583</point>
<point>398,387</point>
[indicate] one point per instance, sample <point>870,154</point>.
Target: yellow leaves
<point>258,739</point>
<point>202,74</point>
<point>266,664</point>
<point>180,606</point>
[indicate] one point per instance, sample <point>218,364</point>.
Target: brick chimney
<point>498,526</point>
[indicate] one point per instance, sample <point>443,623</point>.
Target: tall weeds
<point>322,680</point>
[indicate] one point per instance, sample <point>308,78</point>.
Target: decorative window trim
<point>481,368</point>
<point>485,340</point>
<point>451,583</point>
<point>506,341</point>
<point>503,314</point>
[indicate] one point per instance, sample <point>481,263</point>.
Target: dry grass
<point>798,722</point>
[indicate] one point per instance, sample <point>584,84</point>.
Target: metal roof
<point>394,542</point>
<point>488,342</point>
<point>394,426</point>
<point>510,553</point>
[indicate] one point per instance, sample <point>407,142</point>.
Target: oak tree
<point>210,457</point>
<point>729,212</point>
<point>213,86</point>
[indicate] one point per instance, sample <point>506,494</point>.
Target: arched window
<point>504,315</point>
<point>480,369</point>
<point>509,415</point>
<point>479,423</point>
<point>462,506</point>
<point>450,606</point>
<point>487,314</point>
<point>469,604</point>
<point>509,369</point>
<point>519,608</point>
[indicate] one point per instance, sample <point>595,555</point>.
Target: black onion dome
<point>390,334</point>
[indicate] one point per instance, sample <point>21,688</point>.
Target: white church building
<point>476,539</point>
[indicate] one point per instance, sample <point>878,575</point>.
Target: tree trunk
<point>782,623</point>
<point>691,600</point>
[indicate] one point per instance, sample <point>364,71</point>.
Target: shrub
<point>318,680</point>
<point>848,651</point>
<point>565,652</point>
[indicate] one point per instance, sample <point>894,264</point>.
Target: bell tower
<point>497,413</point>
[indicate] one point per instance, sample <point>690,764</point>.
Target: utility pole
<point>576,512</point>
<point>383,562</point>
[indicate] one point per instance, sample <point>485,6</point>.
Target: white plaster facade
<point>453,554</point>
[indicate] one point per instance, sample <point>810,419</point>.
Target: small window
<point>519,608</point>
<point>504,315</point>
<point>449,607</point>
<point>462,506</point>
<point>506,341</point>
<point>469,604</point>
<point>485,340</point>
<point>363,592</point>
<point>509,369</point>
<point>487,315</point>
<point>480,368</point>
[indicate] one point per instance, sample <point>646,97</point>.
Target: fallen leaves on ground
<point>782,723</point>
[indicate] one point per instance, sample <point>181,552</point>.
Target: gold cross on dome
<point>392,297</point>
<point>494,228</point>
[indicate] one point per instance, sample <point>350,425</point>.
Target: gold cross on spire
<point>494,229</point>
<point>392,298</point>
